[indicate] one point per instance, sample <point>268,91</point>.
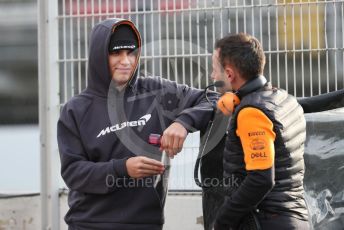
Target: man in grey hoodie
<point>106,161</point>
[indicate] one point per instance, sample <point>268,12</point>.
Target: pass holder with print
<point>154,139</point>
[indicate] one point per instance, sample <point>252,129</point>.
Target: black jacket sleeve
<point>256,185</point>
<point>323,102</point>
<point>195,111</point>
<point>78,172</point>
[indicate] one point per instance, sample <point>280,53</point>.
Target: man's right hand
<point>140,166</point>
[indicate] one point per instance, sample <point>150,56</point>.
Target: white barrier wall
<point>23,212</point>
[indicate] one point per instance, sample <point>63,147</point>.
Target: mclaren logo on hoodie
<point>140,122</point>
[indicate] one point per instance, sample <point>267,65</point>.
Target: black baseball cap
<point>123,37</point>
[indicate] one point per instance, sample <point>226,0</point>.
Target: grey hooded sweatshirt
<point>101,128</point>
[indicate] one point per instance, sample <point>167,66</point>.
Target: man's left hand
<point>173,139</point>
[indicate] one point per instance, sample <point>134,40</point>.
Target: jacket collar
<point>251,86</point>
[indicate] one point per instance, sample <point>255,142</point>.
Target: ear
<point>229,73</point>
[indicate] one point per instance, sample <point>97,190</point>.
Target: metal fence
<point>303,39</point>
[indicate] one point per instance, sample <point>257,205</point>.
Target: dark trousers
<point>279,222</point>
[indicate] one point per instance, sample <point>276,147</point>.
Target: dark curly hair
<point>244,52</point>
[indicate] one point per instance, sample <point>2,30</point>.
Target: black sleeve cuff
<point>187,122</point>
<point>120,168</point>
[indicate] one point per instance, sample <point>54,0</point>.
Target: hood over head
<point>99,75</point>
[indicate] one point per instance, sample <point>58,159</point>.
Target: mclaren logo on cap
<point>140,122</point>
<point>124,47</point>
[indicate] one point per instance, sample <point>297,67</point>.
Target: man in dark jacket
<point>116,179</point>
<point>263,156</point>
